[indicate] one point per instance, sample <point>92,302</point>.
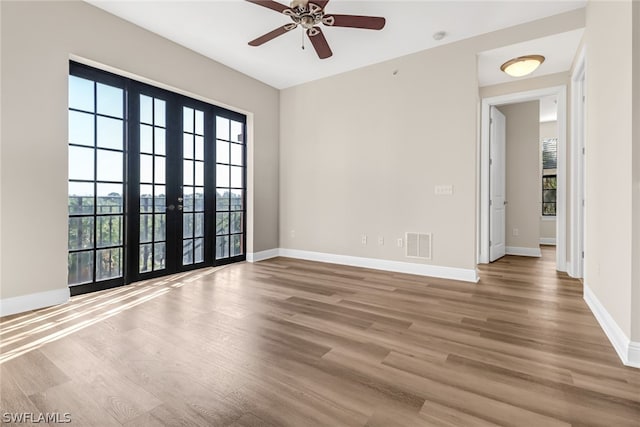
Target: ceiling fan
<point>309,14</point>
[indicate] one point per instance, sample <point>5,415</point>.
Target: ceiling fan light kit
<point>522,65</point>
<point>309,15</point>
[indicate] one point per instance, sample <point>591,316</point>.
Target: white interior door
<point>497,197</point>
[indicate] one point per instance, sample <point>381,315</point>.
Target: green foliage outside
<point>105,236</point>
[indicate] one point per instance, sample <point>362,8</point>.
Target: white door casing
<point>497,179</point>
<point>578,168</point>
<point>582,179</point>
<point>484,190</point>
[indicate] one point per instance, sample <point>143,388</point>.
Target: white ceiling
<point>558,50</point>
<point>220,29</point>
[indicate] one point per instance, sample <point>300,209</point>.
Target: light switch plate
<point>443,190</point>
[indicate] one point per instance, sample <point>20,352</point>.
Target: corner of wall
<point>628,351</point>
<point>609,237</point>
<point>635,191</point>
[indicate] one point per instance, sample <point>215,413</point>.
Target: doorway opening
<point>487,202</point>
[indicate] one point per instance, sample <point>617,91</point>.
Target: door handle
<point>180,199</point>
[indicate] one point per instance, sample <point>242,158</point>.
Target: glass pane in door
<point>96,179</point>
<point>192,186</point>
<point>153,160</point>
<point>230,188</point>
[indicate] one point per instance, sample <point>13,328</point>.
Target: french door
<point>180,168</point>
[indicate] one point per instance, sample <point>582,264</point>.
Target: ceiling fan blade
<point>270,4</point>
<point>319,43</point>
<point>355,21</point>
<point>321,3</point>
<point>271,35</point>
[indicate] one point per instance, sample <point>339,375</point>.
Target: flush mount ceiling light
<point>522,65</point>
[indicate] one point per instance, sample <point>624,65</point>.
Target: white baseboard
<point>262,255</point>
<point>514,250</point>
<point>572,270</point>
<point>634,354</point>
<point>463,274</point>
<point>548,241</point>
<point>35,301</point>
<point>628,351</point>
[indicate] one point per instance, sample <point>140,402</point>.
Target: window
<point>549,177</point>
<point>152,179</point>
<point>230,188</point>
<point>156,182</point>
<point>96,174</point>
<point>549,153</point>
<point>549,187</point>
<point>193,186</point>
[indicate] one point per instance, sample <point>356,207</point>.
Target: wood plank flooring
<point>294,343</point>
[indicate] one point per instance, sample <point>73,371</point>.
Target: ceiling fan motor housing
<point>305,14</point>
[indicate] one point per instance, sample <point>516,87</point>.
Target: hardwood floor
<point>289,342</point>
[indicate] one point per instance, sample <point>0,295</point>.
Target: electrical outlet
<point>364,239</point>
<point>400,242</point>
<point>293,234</point>
<point>380,240</point>
<point>516,232</point>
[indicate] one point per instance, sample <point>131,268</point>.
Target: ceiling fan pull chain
<point>302,32</point>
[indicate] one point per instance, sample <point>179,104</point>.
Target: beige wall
<point>361,152</point>
<point>635,261</point>
<point>37,41</point>
<point>522,174</point>
<point>608,254</point>
<point>547,228</point>
<point>548,130</point>
<point>548,224</point>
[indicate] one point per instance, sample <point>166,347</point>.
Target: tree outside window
<point>549,177</point>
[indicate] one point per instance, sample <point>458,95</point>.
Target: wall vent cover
<point>418,245</point>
